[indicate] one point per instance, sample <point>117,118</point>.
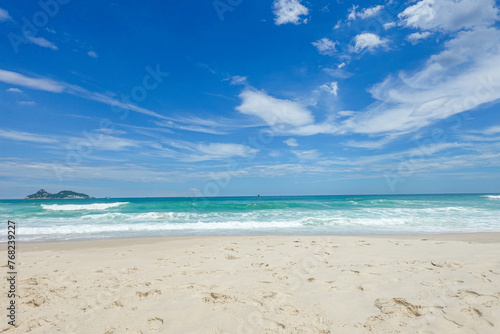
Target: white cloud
<point>368,41</point>
<point>450,15</point>
<point>389,25</point>
<point>369,144</point>
<point>217,126</point>
<point>325,46</point>
<point>192,128</point>
<point>352,13</point>
<point>332,88</point>
<point>365,13</point>
<point>369,12</point>
<point>106,143</point>
<point>417,36</point>
<point>492,130</point>
<point>462,77</point>
<point>92,54</point>
<point>307,155</point>
<point>27,103</point>
<point>292,142</point>
<point>314,129</point>
<point>345,113</point>
<point>338,72</point>
<point>195,125</point>
<point>217,151</point>
<point>40,41</point>
<point>25,136</point>
<point>47,85</point>
<point>4,15</point>
<point>238,80</point>
<point>272,110</point>
<point>289,11</point>
<point>193,152</point>
<point>14,90</point>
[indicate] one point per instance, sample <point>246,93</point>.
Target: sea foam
<point>492,196</point>
<point>76,207</point>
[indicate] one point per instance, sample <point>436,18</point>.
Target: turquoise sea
<point>44,220</point>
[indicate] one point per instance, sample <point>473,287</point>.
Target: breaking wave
<point>77,207</point>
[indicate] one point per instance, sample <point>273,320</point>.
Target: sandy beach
<point>275,284</point>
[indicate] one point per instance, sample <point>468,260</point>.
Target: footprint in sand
<point>155,324</point>
<point>398,305</point>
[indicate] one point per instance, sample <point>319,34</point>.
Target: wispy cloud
<point>194,152</point>
<point>47,85</point>
<point>363,14</point>
<point>351,15</point>
<point>389,25</point>
<point>369,144</point>
<point>191,127</point>
<point>332,88</point>
<point>338,72</point>
<point>92,54</point>
<point>40,41</point>
<point>220,151</point>
<point>98,97</point>
<point>307,154</point>
<point>105,142</point>
<point>14,90</point>
<point>25,136</point>
<point>492,130</point>
<point>216,125</point>
<point>4,15</point>
<point>27,103</point>
<point>292,142</point>
<point>325,46</point>
<point>289,11</point>
<point>411,101</point>
<point>238,80</point>
<point>417,37</point>
<point>369,12</point>
<point>27,169</point>
<point>53,86</point>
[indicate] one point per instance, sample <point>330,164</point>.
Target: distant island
<point>65,194</point>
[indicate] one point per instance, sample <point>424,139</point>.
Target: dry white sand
<point>292,284</point>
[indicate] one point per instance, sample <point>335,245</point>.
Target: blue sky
<point>235,97</point>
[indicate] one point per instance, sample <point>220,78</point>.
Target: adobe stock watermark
<point>92,140</point>
<point>223,6</point>
<point>32,26</point>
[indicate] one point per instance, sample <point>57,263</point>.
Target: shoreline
<point>483,237</point>
<point>261,284</point>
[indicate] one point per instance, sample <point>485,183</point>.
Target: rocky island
<point>65,194</point>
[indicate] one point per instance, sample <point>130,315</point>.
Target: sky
<point>238,97</point>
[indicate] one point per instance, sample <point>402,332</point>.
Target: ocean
<point>57,220</point>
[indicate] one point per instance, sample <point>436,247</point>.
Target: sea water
<point>51,220</point>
